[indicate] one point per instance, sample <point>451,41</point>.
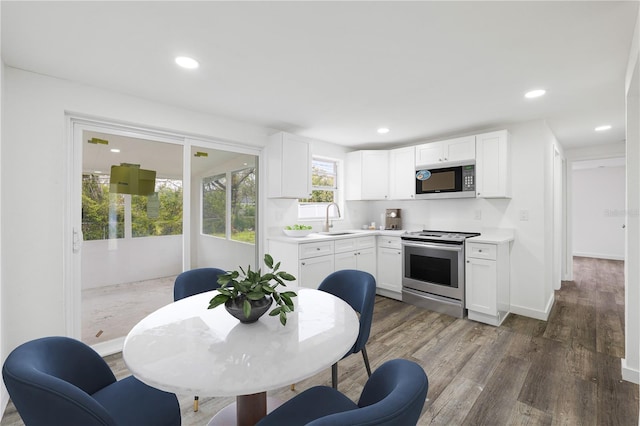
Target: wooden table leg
<point>251,408</point>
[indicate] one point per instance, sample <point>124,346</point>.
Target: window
<point>104,213</point>
<point>324,184</point>
<point>214,206</point>
<point>240,210</point>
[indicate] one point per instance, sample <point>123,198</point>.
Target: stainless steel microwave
<point>451,181</point>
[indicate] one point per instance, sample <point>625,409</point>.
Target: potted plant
<point>248,295</point>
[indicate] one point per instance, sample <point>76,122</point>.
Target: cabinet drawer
<point>481,251</point>
<point>366,242</point>
<point>315,249</point>
<point>344,245</point>
<point>390,242</point>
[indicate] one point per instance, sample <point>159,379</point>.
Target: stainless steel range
<point>433,270</point>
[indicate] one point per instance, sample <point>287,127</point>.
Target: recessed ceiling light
<point>186,62</point>
<point>535,93</point>
<point>383,130</point>
<point>116,150</point>
<point>602,128</point>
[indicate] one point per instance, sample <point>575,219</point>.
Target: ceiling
<point>337,71</point>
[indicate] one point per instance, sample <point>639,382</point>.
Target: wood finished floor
<point>527,372</point>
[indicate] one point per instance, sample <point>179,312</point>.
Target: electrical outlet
<point>524,215</point>
<point>478,215</point>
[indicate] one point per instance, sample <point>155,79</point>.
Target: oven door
<point>433,268</point>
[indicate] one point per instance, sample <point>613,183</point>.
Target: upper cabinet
<point>367,175</point>
<point>442,152</point>
<point>493,168</point>
<point>402,171</point>
<point>288,167</point>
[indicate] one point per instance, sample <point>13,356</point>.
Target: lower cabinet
<point>389,274</point>
<point>314,269</point>
<point>487,282</point>
<point>311,262</point>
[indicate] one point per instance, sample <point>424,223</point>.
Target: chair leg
<point>334,376</point>
<point>366,360</point>
<point>293,386</point>
<point>195,403</point>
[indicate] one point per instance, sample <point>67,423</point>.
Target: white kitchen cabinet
<point>356,253</point>
<point>367,175</point>
<point>487,281</point>
<point>288,166</point>
<point>493,167</point>
<point>447,151</point>
<point>309,262</point>
<point>389,274</point>
<point>402,172</point>
<point>315,269</point>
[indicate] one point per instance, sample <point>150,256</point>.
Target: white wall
<point>125,260</point>
<point>531,153</point>
<point>631,361</point>
<point>598,206</point>
<point>33,173</point>
<point>4,395</point>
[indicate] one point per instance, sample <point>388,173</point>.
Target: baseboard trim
<point>629,374</point>
<point>534,313</point>
<point>599,256</point>
<point>4,400</point>
<point>109,347</point>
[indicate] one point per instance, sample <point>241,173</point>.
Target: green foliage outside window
<point>98,204</point>
<point>323,182</point>
<point>242,211</point>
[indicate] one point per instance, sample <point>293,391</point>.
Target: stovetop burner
<point>444,236</point>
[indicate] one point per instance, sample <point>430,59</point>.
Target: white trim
<point>109,347</point>
<point>629,374</point>
<point>534,313</point>
<point>598,256</point>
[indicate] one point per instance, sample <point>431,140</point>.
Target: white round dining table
<point>187,349</point>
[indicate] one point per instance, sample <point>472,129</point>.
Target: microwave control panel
<point>468,178</point>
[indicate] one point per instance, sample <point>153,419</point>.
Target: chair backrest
<point>196,281</point>
<point>394,395</point>
<point>50,380</point>
<point>358,289</point>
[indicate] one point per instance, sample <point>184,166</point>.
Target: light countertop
<point>337,235</point>
<point>495,236</point>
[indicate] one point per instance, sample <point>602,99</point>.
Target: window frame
<point>320,207</point>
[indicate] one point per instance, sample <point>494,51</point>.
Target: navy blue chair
<point>192,282</point>
<point>358,289</point>
<point>394,395</point>
<point>196,281</point>
<point>62,381</point>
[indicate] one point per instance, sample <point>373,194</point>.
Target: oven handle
<point>435,246</point>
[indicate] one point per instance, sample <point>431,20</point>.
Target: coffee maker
<point>392,219</point>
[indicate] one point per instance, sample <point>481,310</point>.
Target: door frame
<point>76,124</point>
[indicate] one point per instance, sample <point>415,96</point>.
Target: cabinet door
<point>375,175</point>
<point>346,260</point>
<point>459,149</point>
<point>402,171</point>
<point>481,286</point>
<point>429,153</point>
<point>492,165</point>
<point>314,270</point>
<point>366,260</point>
<point>288,167</point>
<point>389,269</point>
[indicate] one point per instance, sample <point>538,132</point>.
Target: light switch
<point>478,215</point>
<point>524,215</point>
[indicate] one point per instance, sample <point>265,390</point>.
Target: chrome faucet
<point>327,225</point>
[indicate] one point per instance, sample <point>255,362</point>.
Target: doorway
<point>138,209</point>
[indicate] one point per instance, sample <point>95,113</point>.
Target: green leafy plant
<point>297,227</point>
<point>253,285</point>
